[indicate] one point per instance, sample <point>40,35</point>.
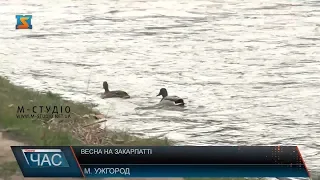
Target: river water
<point>249,70</point>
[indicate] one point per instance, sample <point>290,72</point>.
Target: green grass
<point>8,169</point>
<point>32,130</point>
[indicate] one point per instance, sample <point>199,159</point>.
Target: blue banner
<point>35,161</point>
<point>171,161</point>
<point>193,171</point>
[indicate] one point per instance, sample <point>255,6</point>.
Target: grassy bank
<point>77,129</point>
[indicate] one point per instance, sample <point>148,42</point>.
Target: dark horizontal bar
<point>189,155</point>
<point>194,171</point>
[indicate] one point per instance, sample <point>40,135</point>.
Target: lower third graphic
<point>23,21</point>
<point>45,158</point>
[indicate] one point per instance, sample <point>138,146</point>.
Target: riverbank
<point>77,124</point>
<point>75,127</point>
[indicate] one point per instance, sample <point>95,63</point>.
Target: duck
<point>113,94</point>
<point>173,100</point>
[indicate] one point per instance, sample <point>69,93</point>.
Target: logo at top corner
<point>45,158</point>
<point>23,21</point>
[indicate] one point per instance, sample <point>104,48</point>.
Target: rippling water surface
<point>249,70</point>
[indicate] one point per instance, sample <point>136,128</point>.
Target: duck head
<point>163,92</point>
<point>105,86</point>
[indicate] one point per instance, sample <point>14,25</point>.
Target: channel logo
<point>23,21</point>
<point>45,158</point>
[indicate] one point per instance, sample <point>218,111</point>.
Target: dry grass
<point>88,131</point>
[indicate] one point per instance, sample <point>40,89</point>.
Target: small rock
<point>119,141</point>
<point>96,126</point>
<point>9,129</point>
<point>86,116</point>
<point>99,116</point>
<point>11,105</point>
